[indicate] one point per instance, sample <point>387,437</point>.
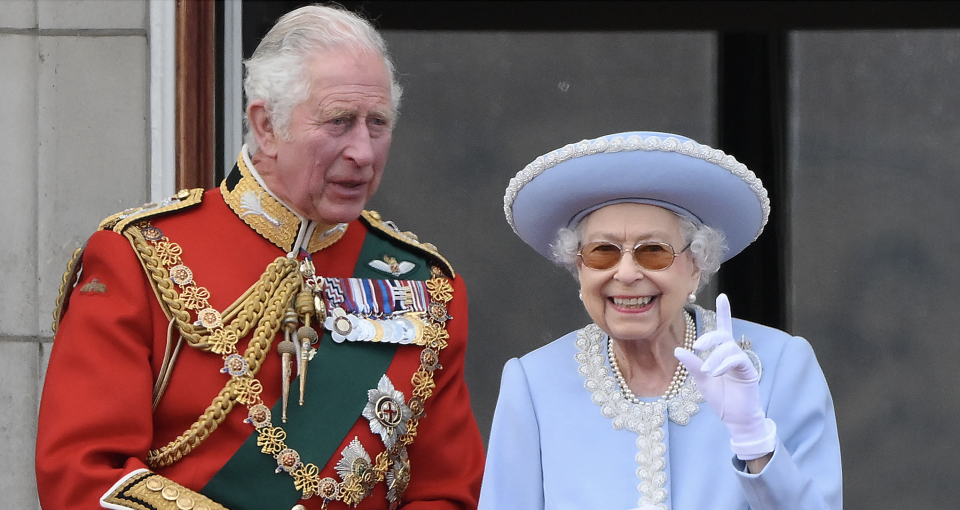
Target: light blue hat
<point>561,187</point>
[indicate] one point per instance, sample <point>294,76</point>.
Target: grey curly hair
<point>276,72</point>
<point>707,245</point>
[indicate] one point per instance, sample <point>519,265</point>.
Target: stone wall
<point>74,112</point>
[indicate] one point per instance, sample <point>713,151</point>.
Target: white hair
<point>277,73</point>
<point>707,246</point>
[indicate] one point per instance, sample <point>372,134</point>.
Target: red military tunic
<point>97,422</point>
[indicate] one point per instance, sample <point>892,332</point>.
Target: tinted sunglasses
<point>652,256</point>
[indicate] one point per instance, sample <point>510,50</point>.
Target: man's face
<point>332,159</point>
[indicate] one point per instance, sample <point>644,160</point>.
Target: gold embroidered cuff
<point>145,490</point>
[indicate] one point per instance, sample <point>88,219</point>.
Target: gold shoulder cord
<point>183,199</point>
<point>264,306</point>
<point>67,283</point>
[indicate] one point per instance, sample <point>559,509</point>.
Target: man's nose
<point>360,145</point>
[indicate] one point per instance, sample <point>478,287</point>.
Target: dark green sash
<point>337,382</point>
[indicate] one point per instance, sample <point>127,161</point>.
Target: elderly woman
<point>659,404</point>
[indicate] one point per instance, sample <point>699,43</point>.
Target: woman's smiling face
<point>627,301</point>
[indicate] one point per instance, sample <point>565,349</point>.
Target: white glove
<point>730,384</point>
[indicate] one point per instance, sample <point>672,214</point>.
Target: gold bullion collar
<point>256,205</point>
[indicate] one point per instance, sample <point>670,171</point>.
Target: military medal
<point>387,412</point>
<point>356,469</point>
<point>392,311</point>
<point>398,478</point>
<point>389,311</point>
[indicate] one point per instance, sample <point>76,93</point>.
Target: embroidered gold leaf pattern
<point>271,440</point>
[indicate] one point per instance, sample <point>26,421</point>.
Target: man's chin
<point>339,214</point>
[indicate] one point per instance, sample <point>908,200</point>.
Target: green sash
<point>337,382</point>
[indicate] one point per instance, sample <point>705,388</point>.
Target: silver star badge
<point>387,412</point>
<point>355,461</point>
<point>398,478</point>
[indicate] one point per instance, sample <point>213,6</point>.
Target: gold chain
<point>264,307</point>
<point>357,485</point>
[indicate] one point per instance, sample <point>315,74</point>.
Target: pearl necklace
<point>679,376</point>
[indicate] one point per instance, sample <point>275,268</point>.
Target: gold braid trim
<point>183,199</point>
<point>67,283</point>
<point>239,388</point>
<point>248,310</point>
<point>118,222</point>
<point>373,219</point>
<point>145,490</point>
<point>162,285</point>
<point>262,307</point>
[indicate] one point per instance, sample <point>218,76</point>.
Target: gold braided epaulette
<point>67,283</point>
<point>183,199</point>
<point>118,222</point>
<point>374,219</point>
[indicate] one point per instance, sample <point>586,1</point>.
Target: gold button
<point>170,493</point>
<point>185,503</point>
<point>155,483</point>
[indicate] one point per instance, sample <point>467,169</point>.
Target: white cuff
<point>755,449</point>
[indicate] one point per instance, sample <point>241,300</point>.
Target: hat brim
<point>672,171</point>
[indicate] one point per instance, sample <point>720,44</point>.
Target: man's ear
<point>262,128</point>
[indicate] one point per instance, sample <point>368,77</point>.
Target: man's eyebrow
<point>389,115</point>
<point>337,112</point>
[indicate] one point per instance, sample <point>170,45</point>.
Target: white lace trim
<point>644,418</point>
<point>634,143</point>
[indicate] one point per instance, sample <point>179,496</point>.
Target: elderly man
<point>268,344</point>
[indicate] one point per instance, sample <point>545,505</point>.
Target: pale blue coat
<point>551,448</point>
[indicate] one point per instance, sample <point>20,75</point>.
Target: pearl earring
<point>692,298</point>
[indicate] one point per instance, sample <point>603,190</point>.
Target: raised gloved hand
<point>730,384</point>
